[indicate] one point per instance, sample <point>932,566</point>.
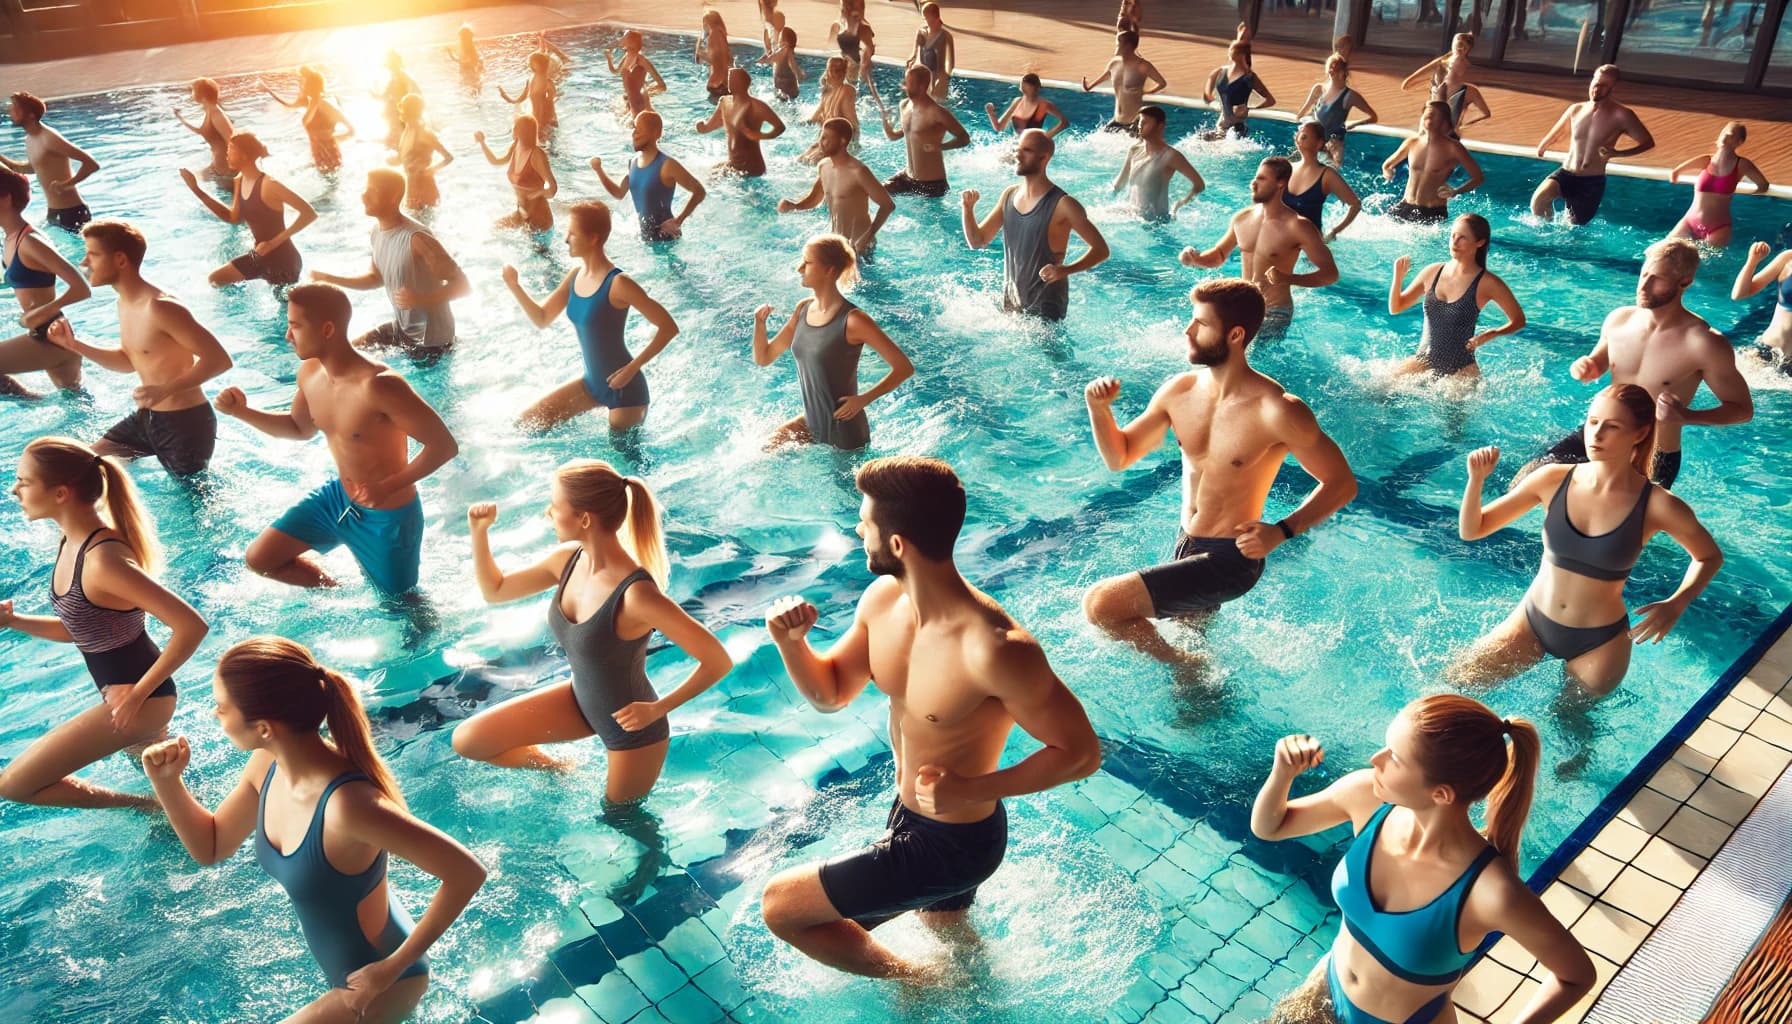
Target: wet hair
<point>915,498</point>
<point>249,145</point>
<point>205,90</point>
<point>387,179</point>
<point>1458,742</point>
<point>619,504</point>
<point>593,218</point>
<point>1238,302</point>
<point>835,252</point>
<point>1129,37</point>
<point>1680,255</point>
<point>1031,79</point>
<point>325,303</point>
<point>839,126</point>
<point>1339,61</point>
<point>1155,112</point>
<point>1311,125</point>
<point>33,107</point>
<point>66,462</point>
<point>1740,129</point>
<point>311,79</point>
<point>273,679</point>
<point>115,236</point>
<point>1637,402</point>
<point>1438,106</point>
<point>1478,227</point>
<point>14,186</point>
<point>1279,168</point>
<point>1470,36</point>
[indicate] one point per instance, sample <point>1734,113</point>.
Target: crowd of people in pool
<point>959,672</point>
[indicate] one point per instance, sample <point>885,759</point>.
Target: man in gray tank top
<point>419,276</point>
<point>1035,278</point>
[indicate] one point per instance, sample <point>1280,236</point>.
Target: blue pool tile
<point>1166,970</point>
<point>566,1010</point>
<point>1240,961</point>
<point>1147,823</point>
<point>600,910</point>
<point>1079,810</point>
<point>1193,941</point>
<point>614,999</point>
<point>1129,853</point>
<point>648,1016</point>
<point>689,1005</point>
<point>1218,987</point>
<point>656,976</point>
<point>723,985</point>
<point>692,947</point>
<point>1299,909</point>
<point>1173,884</point>
<point>1311,949</point>
<point>1241,877</point>
<point>1196,857</point>
<point>1138,999</point>
<point>1189,994</point>
<point>584,962</point>
<point>1268,937</point>
<point>1280,981</point>
<point>1108,793</point>
<point>1250,1008</point>
<point>1222,913</point>
<point>1172,1012</point>
<point>753,1013</point>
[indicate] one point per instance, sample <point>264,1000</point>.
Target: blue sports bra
<point>18,275</point>
<point>1419,946</point>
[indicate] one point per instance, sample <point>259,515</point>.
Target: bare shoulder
<point>1000,650</point>
<point>879,597</point>
<point>110,557</point>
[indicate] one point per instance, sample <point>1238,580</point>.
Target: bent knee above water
<point>470,741</point>
<point>794,899</point>
<point>1117,599</point>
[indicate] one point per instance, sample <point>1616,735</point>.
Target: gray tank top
<point>827,367</point>
<point>1026,250</point>
<point>933,54</point>
<point>431,326</point>
<point>608,672</point>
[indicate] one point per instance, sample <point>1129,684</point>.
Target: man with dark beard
<point>1666,349</point>
<point>649,181</point>
<point>1035,278</point>
<point>1270,237</point>
<point>1235,427</point>
<point>960,675</point>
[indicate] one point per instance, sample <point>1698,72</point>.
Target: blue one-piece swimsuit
<point>600,337</point>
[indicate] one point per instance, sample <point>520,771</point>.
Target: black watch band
<point>1287,531</point>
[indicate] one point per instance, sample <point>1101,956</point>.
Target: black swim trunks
<point>1235,130</point>
<point>390,335</point>
<point>1774,358</point>
<point>1206,573</point>
<point>181,440</point>
<point>281,266</point>
<point>1129,127</point>
<point>1581,193</point>
<point>70,218</point>
<point>1416,214</point>
<point>902,185</point>
<point>919,864</point>
<point>1572,449</point>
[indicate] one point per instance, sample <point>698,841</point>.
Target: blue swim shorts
<point>388,542</point>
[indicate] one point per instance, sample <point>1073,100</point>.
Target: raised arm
<point>1396,158</point>
<point>1401,295</point>
<point>62,335</point>
<point>1121,447</point>
<point>617,187</point>
<point>977,235</point>
<point>360,282</point>
<point>1313,95</point>
<point>490,157</point>
<point>1474,521</point>
<point>1274,816</point>
<point>811,199</point>
<point>1424,71</point>
<point>712,122</point>
<point>544,312</point>
<point>765,351</point>
<point>1106,73</point>
<point>897,130</point>
<point>295,424</point>
<point>227,214</point>
<point>209,836</point>
<point>497,586</point>
<point>828,681</point>
<point>1748,281</point>
<point>1216,256</point>
<point>44,627</point>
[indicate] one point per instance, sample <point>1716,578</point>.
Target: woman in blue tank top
<point>324,813</point>
<point>596,297</point>
<point>606,573</point>
<point>1420,889</point>
<point>826,334</point>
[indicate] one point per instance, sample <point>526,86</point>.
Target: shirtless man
<point>47,155</point>
<point>649,181</point>
<point>935,51</point>
<point>539,91</point>
<point>1593,130</point>
<point>368,416</point>
<point>960,675</point>
<point>1270,237</point>
<point>1150,166</point>
<point>634,69</point>
<point>747,120</point>
<point>1431,157</point>
<point>419,276</point>
<point>928,130</point>
<point>32,268</point>
<point>848,188</point>
<point>1035,278</point>
<point>1235,427</point>
<point>1131,73</point>
<point>171,353</point>
<point>1662,346</point>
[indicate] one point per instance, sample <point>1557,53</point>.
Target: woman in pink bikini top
<point>1708,219</point>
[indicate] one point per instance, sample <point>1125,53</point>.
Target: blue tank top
<point>1236,92</point>
<point>325,899</point>
<point>1786,293</point>
<point>18,275</point>
<point>652,196</point>
<point>1419,946</point>
<point>1331,116</point>
<point>1309,204</point>
<point>600,325</point>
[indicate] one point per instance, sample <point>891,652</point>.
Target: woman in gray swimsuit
<point>1450,341</point>
<point>259,201</point>
<point>606,576</point>
<point>826,335</point>
<point>1600,516</point>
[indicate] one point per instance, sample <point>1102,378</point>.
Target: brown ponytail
<point>66,462</point>
<point>1637,401</point>
<point>273,679</point>
<point>618,502</point>
<point>1458,742</point>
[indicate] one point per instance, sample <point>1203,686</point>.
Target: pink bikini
<point>1721,184</point>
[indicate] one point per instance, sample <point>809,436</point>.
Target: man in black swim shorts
<point>928,130</point>
<point>1235,426</point>
<point>959,674</point>
<point>1593,130</point>
<point>47,155</point>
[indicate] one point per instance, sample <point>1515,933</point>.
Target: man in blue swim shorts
<point>368,415</point>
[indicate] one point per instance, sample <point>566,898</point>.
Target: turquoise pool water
<point>1137,894</point>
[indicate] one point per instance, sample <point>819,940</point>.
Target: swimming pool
<point>1137,894</point>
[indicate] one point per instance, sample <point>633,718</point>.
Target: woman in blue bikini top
<point>1419,888</point>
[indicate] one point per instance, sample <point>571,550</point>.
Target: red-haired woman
<point>324,813</point>
<point>214,125</point>
<point>1600,515</point>
<point>100,590</point>
<point>1420,888</point>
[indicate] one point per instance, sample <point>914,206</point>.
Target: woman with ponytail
<point>325,813</point>
<point>100,590</point>
<point>1600,516</point>
<point>1450,341</point>
<point>1420,888</point>
<point>607,577</point>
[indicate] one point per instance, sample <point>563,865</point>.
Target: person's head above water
<point>1603,82</point>
<point>525,131</point>
<point>26,109</point>
<point>589,497</point>
<point>15,191</point>
<point>1620,427</point>
<point>410,108</point>
<point>204,90</point>
<point>911,514</point>
<point>1308,137</point>
<point>916,81</point>
<point>1239,52</point>
<point>1732,135</point>
<point>1126,43</point>
<point>1271,179</point>
<point>1470,238</point>
<point>1667,271</point>
<point>394,60</point>
<point>61,474</point>
<point>1152,120</point>
<point>271,691</point>
<point>930,12</point>
<point>1030,85</point>
<point>243,150</point>
<point>1033,152</point>
<point>1337,69</point>
<point>647,129</point>
<point>834,72</point>
<point>836,135</point>
<point>384,192</point>
<point>114,249</point>
<point>1228,312</point>
<point>828,259</point>
<point>740,82</point>
<point>587,228</point>
<point>1434,118</point>
<point>631,41</point>
<point>1450,751</point>
<point>317,317</point>
<point>1461,43</point>
<point>311,81</point>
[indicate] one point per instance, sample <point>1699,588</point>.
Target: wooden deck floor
<point>1057,38</point>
